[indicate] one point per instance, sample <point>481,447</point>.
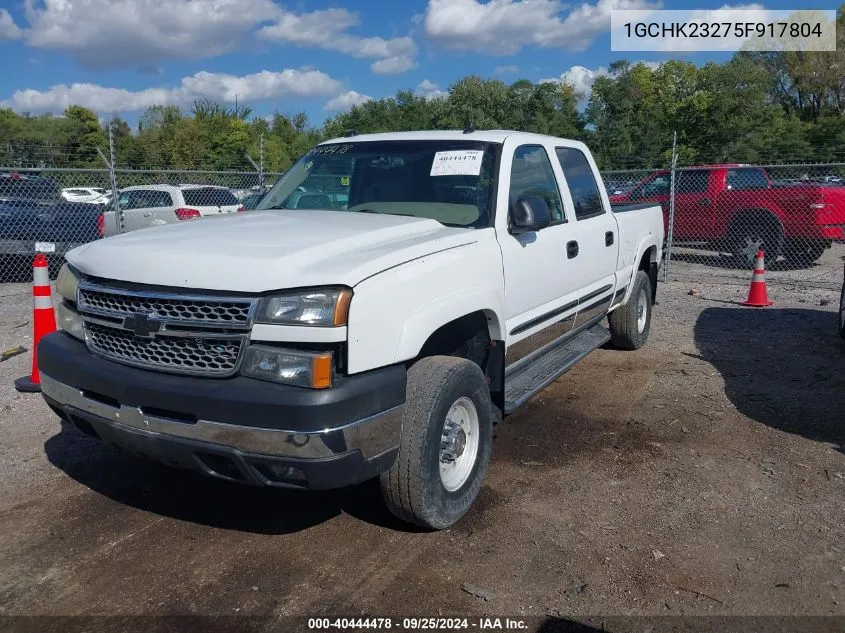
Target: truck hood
<point>260,251</point>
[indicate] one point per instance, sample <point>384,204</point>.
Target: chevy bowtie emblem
<point>143,324</point>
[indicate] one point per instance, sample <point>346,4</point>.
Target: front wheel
<point>444,450</point>
<point>631,322</point>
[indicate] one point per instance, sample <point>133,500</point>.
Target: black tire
<point>413,488</point>
<point>627,331</point>
<point>751,232</point>
<point>803,252</point>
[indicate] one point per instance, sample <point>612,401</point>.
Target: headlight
<point>66,283</point>
<point>287,366</point>
<point>325,307</point>
<point>70,321</point>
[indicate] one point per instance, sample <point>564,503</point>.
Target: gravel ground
<point>701,475</point>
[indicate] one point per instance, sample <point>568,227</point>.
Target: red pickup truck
<point>737,209</point>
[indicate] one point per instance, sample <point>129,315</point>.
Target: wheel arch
<point>751,214</point>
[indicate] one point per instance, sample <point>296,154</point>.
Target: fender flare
<point>646,243</point>
<point>430,317</point>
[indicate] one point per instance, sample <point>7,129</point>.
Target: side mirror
<point>529,214</point>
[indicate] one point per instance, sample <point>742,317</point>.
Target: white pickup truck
<point>391,299</point>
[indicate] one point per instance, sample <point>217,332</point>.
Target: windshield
<point>447,181</point>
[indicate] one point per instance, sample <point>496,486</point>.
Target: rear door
<point>146,207</point>
<point>592,240</point>
<point>210,200</point>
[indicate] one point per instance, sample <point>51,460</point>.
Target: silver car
<point>152,205</point>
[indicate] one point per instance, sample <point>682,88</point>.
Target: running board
<point>524,379</point>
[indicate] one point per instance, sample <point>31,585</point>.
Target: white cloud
<point>119,33</point>
<point>328,29</point>
<point>429,90</point>
<point>582,78</point>
<point>393,65</point>
<point>506,70</point>
<point>264,85</point>
<point>346,101</point>
<point>8,29</point>
<point>504,27</point>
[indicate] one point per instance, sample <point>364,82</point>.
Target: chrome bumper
<point>371,436</point>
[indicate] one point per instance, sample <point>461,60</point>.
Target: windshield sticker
<point>464,162</point>
<point>330,149</point>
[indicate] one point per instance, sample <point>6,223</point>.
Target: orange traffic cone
<point>757,296</point>
<point>43,320</point>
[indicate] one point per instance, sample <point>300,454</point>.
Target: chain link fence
<point>719,216</point>
<point>53,210</point>
<point>716,217</point>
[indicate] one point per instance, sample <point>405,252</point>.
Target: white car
<point>152,205</point>
<point>82,194</point>
<point>328,340</point>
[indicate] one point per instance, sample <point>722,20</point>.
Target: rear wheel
<point>751,234</point>
<point>444,449</point>
<point>630,323</point>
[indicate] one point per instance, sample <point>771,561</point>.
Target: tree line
<point>756,108</point>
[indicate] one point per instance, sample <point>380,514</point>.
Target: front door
<point>540,280</point>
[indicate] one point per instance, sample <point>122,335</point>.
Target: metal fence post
<point>671,207</point>
<point>109,162</point>
<point>261,165</point>
<point>118,212</point>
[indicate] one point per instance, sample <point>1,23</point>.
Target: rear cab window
<point>209,197</point>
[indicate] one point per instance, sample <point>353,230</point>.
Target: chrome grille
<point>210,355</point>
<point>231,313</point>
<point>182,334</point>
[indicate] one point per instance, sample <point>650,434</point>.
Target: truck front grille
<point>182,334</point>
<point>211,355</point>
<point>230,313</point>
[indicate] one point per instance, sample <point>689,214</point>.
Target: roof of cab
<point>489,136</point>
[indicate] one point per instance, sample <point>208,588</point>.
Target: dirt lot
<point>702,475</point>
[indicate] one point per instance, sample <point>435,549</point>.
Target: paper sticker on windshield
<point>463,162</point>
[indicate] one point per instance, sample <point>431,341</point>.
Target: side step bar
<point>526,377</point>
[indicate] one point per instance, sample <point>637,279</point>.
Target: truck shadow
<point>781,367</point>
<point>187,496</point>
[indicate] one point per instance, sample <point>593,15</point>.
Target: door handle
<point>571,249</point>
<point>704,202</point>
<point>608,238</point>
<point>148,214</point>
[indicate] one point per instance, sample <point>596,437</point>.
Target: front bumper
<point>239,428</point>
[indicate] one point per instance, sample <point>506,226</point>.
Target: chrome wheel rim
<point>750,249</point>
<point>642,311</point>
<point>459,444</point>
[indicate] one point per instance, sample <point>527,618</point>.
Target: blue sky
<point>119,56</point>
